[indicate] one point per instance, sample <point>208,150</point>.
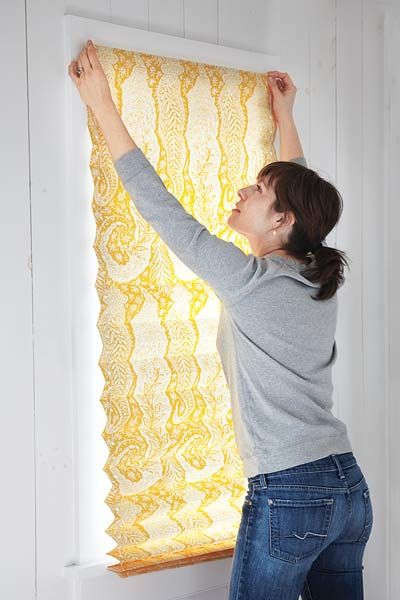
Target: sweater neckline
<point>286,260</point>
<point>292,267</point>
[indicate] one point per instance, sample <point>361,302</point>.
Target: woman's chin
<point>230,223</point>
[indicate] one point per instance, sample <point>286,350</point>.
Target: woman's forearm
<point>290,145</point>
<point>115,133</point>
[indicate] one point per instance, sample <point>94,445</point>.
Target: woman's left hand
<point>91,81</point>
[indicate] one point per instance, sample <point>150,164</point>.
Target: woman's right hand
<point>283,92</point>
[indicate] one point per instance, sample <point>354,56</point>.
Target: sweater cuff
<point>130,164</point>
<point>300,160</point>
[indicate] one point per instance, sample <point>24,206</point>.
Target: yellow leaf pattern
<point>176,482</point>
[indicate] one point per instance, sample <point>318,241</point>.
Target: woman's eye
<point>259,188</point>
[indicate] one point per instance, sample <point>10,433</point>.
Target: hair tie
<point>320,245</point>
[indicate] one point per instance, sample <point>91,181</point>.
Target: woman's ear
<point>289,219</point>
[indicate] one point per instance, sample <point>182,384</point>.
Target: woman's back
<point>277,349</point>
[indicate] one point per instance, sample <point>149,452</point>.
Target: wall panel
<point>17,441</point>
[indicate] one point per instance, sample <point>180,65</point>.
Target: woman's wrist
<point>105,110</point>
<point>286,119</point>
<point>116,135</point>
<point>290,145</point>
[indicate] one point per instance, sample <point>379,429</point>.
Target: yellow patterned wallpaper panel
<point>177,485</point>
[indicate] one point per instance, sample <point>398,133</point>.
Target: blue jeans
<point>303,532</point>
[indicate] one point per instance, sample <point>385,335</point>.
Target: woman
<point>307,514</point>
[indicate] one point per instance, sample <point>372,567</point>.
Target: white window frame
<point>92,485</point>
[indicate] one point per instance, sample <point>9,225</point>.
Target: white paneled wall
<point>17,446</point>
<point>346,111</point>
<point>389,208</point>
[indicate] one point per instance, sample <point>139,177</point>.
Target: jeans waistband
<point>337,462</point>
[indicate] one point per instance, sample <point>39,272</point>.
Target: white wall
<point>17,440</point>
<point>347,119</point>
<point>392,288</point>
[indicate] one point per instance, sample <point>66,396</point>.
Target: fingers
<point>92,54</point>
<point>275,84</point>
<point>281,74</point>
<point>84,61</point>
<point>285,77</point>
<point>87,61</point>
<point>272,82</point>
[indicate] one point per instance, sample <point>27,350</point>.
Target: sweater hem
<point>290,456</point>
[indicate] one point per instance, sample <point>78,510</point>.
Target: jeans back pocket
<point>298,528</point>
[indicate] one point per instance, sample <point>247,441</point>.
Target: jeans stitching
<point>257,485</point>
<point>246,538</point>
<point>368,519</point>
<point>308,589</point>
<point>275,548</point>
<point>353,487</point>
<point>313,488</point>
<point>312,470</point>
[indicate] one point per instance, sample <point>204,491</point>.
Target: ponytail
<point>326,268</point>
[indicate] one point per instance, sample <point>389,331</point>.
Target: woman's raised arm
<point>228,270</point>
<point>283,92</point>
<point>94,90</point>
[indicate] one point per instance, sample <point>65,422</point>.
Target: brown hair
<point>317,206</point>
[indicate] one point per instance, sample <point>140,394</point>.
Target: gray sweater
<point>276,344</point>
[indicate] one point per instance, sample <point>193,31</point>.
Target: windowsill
<point>93,580</point>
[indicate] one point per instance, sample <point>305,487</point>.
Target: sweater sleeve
<point>300,160</point>
<point>226,268</point>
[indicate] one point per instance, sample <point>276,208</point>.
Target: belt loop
<point>339,466</point>
<point>263,480</point>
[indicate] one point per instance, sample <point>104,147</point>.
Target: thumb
<point>272,82</point>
